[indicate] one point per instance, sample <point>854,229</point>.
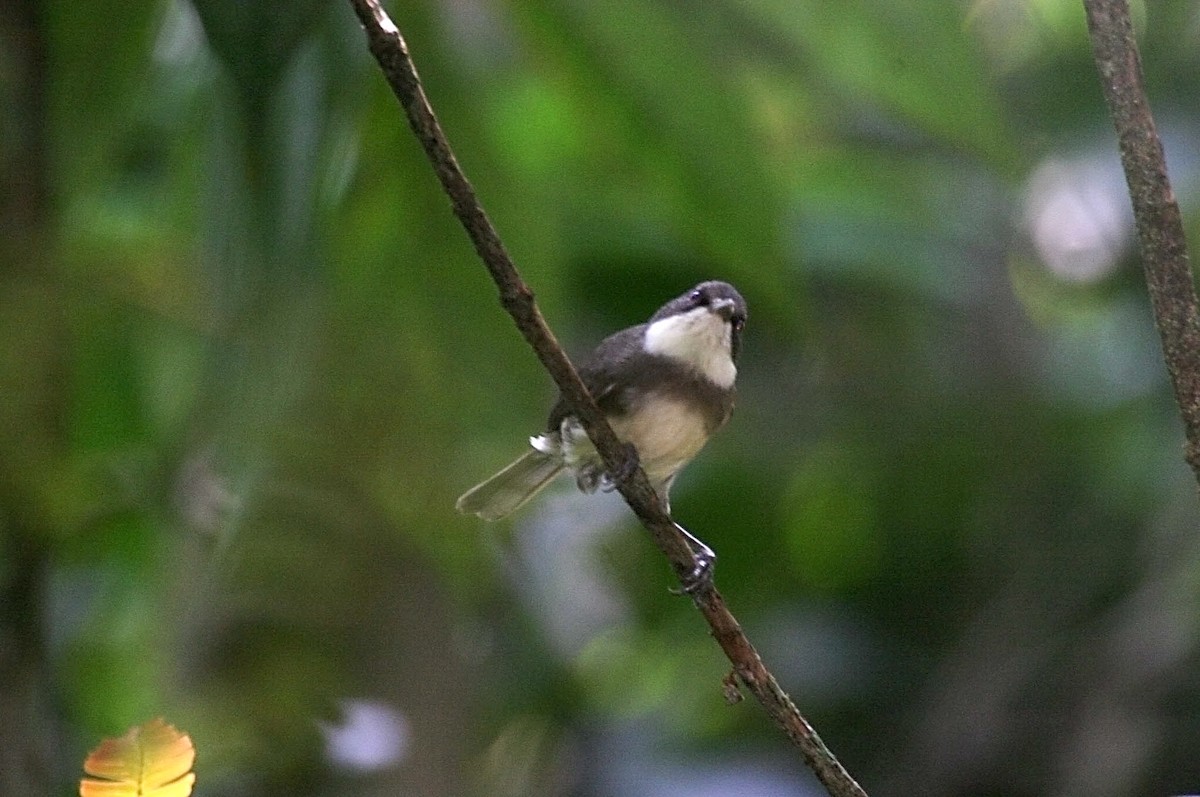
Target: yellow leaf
<point>151,760</point>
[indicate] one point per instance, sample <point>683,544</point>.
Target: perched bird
<point>665,386</point>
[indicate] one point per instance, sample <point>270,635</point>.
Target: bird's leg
<point>705,560</point>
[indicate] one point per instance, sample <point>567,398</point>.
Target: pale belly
<point>667,434</point>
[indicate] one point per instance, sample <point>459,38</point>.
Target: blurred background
<point>249,360</point>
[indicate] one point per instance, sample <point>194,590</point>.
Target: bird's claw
<point>624,471</point>
<point>700,580</point>
<point>704,562</point>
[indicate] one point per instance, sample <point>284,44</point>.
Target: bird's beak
<point>723,308</point>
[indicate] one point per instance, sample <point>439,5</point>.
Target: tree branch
<point>390,50</point>
<point>1156,213</point>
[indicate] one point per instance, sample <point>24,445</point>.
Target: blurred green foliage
<point>249,360</point>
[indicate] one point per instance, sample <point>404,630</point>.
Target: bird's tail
<point>509,489</point>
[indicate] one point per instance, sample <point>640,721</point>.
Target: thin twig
<point>1156,213</point>
<point>390,50</point>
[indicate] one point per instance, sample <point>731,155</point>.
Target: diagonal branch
<point>390,50</point>
<point>1156,213</point>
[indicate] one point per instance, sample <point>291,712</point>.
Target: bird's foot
<point>704,562</point>
<point>624,471</point>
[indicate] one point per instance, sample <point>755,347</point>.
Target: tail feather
<point>508,490</point>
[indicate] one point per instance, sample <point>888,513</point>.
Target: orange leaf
<point>151,760</point>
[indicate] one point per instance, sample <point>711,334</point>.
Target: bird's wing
<point>606,373</point>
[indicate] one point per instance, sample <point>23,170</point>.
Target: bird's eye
<point>739,321</point>
<point>698,298</point>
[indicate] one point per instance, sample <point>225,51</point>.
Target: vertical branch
<point>25,200</point>
<point>1156,213</point>
<point>390,50</point>
<point>30,729</point>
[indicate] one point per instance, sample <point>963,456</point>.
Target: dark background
<point>248,360</point>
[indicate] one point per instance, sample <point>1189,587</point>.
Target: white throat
<point>699,339</point>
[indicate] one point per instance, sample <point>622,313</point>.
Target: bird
<point>665,386</point>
